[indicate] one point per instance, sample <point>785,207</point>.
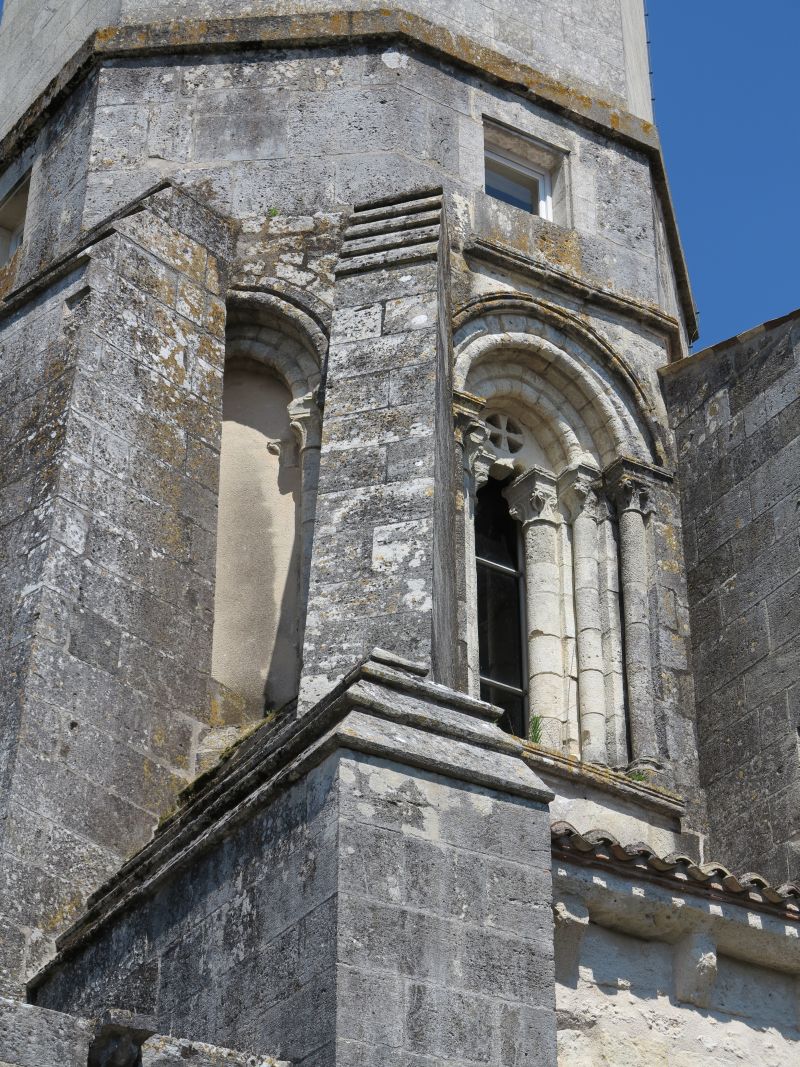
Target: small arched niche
<point>256,605</point>
<point>268,453</point>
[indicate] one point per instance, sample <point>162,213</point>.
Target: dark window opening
<point>500,608</point>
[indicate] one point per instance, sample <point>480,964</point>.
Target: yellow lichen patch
<point>226,708</point>
<point>8,274</point>
<point>671,538</point>
<point>562,249</point>
<point>63,914</point>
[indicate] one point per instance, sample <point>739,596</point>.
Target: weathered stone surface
<point>370,883</point>
<point>618,1004</point>
<point>735,408</point>
<point>35,1037</point>
<point>385,888</point>
<point>582,40</point>
<point>389,380</point>
<point>106,603</point>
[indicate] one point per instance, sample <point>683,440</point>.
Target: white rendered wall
<point>624,1010</point>
<point>255,602</point>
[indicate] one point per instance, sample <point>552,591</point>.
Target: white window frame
<point>12,239</point>
<point>526,170</point>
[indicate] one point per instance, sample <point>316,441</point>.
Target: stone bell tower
<point>341,539</point>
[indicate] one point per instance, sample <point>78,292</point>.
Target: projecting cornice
<point>333,29</point>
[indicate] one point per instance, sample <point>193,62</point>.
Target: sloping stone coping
<point>385,707</point>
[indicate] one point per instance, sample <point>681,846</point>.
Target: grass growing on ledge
<point>535,730</point>
<point>637,776</point>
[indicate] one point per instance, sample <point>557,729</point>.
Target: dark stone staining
<point>735,414</point>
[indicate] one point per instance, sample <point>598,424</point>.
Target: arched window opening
<point>564,425</point>
<point>501,599</point>
<point>255,645</point>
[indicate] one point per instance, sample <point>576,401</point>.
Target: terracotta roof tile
<point>640,860</point>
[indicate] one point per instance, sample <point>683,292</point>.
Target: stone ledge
<point>604,778</point>
<point>79,254</point>
<point>511,258</point>
<point>357,27</point>
<point>667,908</point>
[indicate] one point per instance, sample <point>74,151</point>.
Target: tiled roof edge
<point>749,889</point>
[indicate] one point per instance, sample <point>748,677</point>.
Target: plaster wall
<point>617,1004</point>
<point>597,44</point>
<point>735,412</point>
<point>255,641</point>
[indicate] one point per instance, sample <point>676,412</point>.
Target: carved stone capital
<point>578,491</point>
<point>472,435</point>
<point>305,419</point>
<point>533,497</point>
<point>629,483</point>
<point>286,449</point>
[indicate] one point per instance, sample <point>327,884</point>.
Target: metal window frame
<point>519,574</point>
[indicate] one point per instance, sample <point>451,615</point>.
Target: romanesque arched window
<point>558,467</point>
<point>268,463</point>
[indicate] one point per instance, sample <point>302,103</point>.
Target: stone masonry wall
<point>241,946</point>
<point>736,414</point>
<point>382,566</point>
<point>370,915</point>
<point>37,368</point>
<point>272,134</point>
<point>109,541</point>
<point>36,1037</point>
<point>584,39</point>
<point>619,1002</point>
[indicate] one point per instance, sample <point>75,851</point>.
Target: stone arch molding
<point>588,406</point>
<point>282,336</point>
<point>576,491</point>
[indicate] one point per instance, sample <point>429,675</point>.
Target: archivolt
<point>548,353</point>
<point>268,329</point>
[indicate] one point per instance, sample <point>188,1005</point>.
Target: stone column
<point>628,486</point>
<point>473,460</point>
<point>306,423</point>
<point>613,660</point>
<point>577,491</point>
<point>533,501</point>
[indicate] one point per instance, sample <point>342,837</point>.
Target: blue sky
<point>726,79</point>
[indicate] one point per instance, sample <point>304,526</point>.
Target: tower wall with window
<point>340,520</point>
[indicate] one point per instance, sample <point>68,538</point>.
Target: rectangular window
<point>13,210</point>
<point>517,185</point>
<point>522,171</point>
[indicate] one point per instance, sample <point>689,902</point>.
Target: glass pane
<point>513,720</point>
<point>512,186</point>
<point>499,626</point>
<point>496,536</point>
